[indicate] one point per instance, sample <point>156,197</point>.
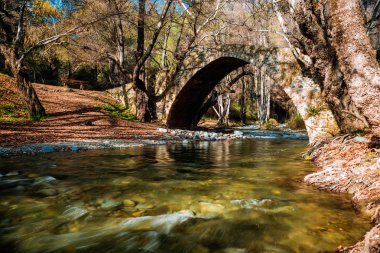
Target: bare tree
<point>15,20</point>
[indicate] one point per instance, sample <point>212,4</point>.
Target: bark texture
<point>308,27</point>
<point>357,59</point>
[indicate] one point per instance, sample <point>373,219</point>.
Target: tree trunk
<point>357,59</point>
<point>243,116</point>
<point>35,108</point>
<point>317,57</point>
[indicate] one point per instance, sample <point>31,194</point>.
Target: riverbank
<point>77,122</point>
<point>73,116</point>
<point>351,164</point>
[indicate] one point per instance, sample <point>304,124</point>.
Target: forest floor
<point>73,115</point>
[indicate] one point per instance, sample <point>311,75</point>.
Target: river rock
<point>162,130</point>
<point>44,180</point>
<point>238,133</point>
<point>47,149</point>
<point>129,203</point>
<point>360,139</point>
<point>110,204</point>
<point>12,173</point>
<point>205,207</point>
<point>234,250</point>
<point>144,206</point>
<point>200,249</point>
<point>163,223</point>
<point>74,213</point>
<point>33,175</point>
<point>47,192</point>
<point>74,149</point>
<point>138,199</point>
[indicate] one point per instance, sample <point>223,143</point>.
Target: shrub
<point>295,122</point>
<point>8,109</point>
<point>271,124</point>
<point>313,111</point>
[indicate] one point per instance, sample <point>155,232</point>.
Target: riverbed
<point>237,196</point>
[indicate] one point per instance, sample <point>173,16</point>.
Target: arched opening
<point>186,106</point>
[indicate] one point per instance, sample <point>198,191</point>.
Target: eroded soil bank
<point>351,164</point>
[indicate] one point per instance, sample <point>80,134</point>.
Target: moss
<point>117,110</point>
<point>8,109</point>
<point>307,157</point>
<point>271,124</point>
<point>313,111</point>
<point>39,118</point>
<point>295,122</point>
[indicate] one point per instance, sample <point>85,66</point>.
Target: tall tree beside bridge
<point>330,42</point>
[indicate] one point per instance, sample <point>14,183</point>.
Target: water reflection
<point>231,196</point>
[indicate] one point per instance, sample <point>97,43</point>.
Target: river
<point>225,196</point>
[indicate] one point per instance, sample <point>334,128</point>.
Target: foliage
<point>44,9</point>
<point>295,122</point>
<point>271,124</point>
<point>313,111</point>
<point>8,109</point>
<point>116,110</point>
<point>39,118</point>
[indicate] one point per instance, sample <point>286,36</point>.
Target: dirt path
<point>74,115</point>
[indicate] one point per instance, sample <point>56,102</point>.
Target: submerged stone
<point>110,204</point>
<point>48,192</point>
<point>129,203</point>
<point>74,213</point>
<point>205,207</point>
<point>44,179</point>
<point>74,149</point>
<point>12,173</point>
<point>47,149</point>
<point>163,223</point>
<point>143,206</point>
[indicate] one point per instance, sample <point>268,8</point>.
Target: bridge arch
<point>210,66</point>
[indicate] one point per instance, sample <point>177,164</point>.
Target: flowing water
<point>232,196</point>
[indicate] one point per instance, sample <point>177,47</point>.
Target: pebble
<point>110,204</point>
<point>74,213</point>
<point>12,173</point>
<point>205,207</point>
<point>162,130</point>
<point>32,175</point>
<point>47,149</point>
<point>234,250</point>
<point>74,149</point>
<point>359,139</point>
<point>129,203</point>
<point>138,199</point>
<point>44,179</point>
<point>144,206</point>
<point>200,249</point>
<point>48,192</point>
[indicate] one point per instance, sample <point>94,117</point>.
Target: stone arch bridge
<point>207,68</point>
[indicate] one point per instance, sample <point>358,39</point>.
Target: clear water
<point>232,196</point>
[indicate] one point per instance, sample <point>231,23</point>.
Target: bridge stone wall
<point>203,70</point>
<point>281,66</point>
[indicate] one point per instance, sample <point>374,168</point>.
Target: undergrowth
<point>117,110</point>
